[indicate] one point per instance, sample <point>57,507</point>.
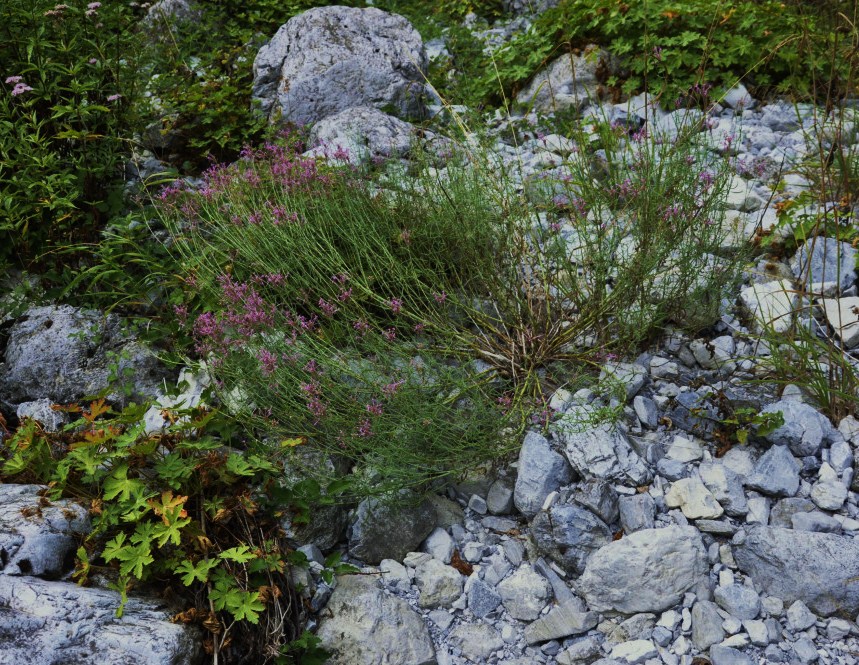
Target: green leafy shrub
<point>181,509</point>
<point>66,100</point>
<point>781,47</point>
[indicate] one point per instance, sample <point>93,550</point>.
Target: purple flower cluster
<point>20,87</point>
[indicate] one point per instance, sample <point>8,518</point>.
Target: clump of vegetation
<point>183,510</point>
<point>67,96</point>
<point>347,310</point>
<point>330,309</point>
<point>774,47</point>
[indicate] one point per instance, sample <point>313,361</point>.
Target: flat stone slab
<point>45,623</point>
<point>820,569</point>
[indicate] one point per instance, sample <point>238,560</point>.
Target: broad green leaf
<point>118,484</point>
<point>198,572</point>
<point>245,606</point>
<point>238,554</point>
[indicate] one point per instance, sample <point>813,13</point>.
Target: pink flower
<point>181,312</point>
<point>20,89</point>
<point>93,5</point>
<point>14,79</point>
<point>268,362</point>
<point>93,61</point>
<point>361,327</point>
<point>392,388</point>
<point>389,334</point>
<point>341,153</point>
<point>318,408</point>
<point>375,407</point>
<point>344,295</point>
<point>113,98</point>
<point>396,305</point>
<point>365,429</point>
<point>440,297</point>
<point>327,308</point>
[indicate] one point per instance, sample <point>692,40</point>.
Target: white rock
<point>440,585</point>
<point>635,651</point>
<point>843,315</point>
<point>694,499</point>
<point>685,449</point>
<point>525,593</point>
<point>646,571</point>
<point>828,492</point>
<point>772,304</point>
<point>439,544</point>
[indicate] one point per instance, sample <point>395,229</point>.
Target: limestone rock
<point>569,534</point>
<point>562,621</point>
<point>600,452</point>
<point>363,132</point>
<point>476,641</point>
<point>362,625</point>
<point>541,472</point>
<point>776,473</point>
<point>568,81</point>
<point>329,59</point>
<point>389,530</point>
<point>524,594</point>
<point>820,569</point>
<point>647,571</point>
<point>843,315</point>
<point>771,305</point>
<point>694,499</point>
<point>440,585</point>
<point>45,623</point>
<point>63,353</point>
<point>805,429</point>
<point>37,536</point>
<point>822,259</point>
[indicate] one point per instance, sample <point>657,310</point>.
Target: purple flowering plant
<point>329,325</point>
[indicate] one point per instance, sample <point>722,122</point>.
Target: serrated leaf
<point>240,554</point>
<point>239,466</point>
<point>118,484</point>
<point>114,547</point>
<point>199,572</point>
<point>135,559</point>
<point>245,606</point>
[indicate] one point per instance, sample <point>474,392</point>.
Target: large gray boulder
<point>363,625</point>
<point>647,571</point>
<point>63,354</point>
<point>37,536</point>
<point>47,623</point>
<point>389,530</point>
<point>541,472</point>
<point>776,473</point>
<point>171,11</point>
<point>329,59</point>
<point>361,133</point>
<point>820,569</point>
